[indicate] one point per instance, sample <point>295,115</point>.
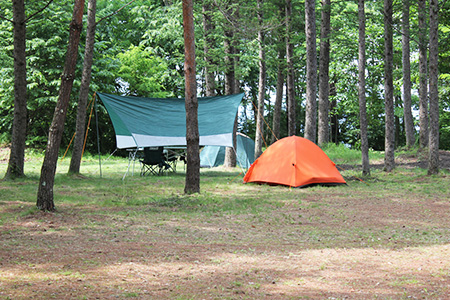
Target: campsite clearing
<point>141,238</point>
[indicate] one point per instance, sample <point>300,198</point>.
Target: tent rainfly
<point>294,161</point>
<point>213,156</point>
<point>148,122</point>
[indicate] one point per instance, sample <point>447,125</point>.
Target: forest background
<point>139,51</point>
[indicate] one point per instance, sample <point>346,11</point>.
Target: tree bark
<point>423,76</point>
<point>78,143</point>
<point>19,130</point>
<point>278,99</point>
<point>433,157</point>
<point>290,89</point>
<point>261,84</point>
<point>208,27</point>
<point>389,160</point>
<point>311,71</point>
<point>362,89</point>
<point>230,81</point>
<point>45,190</point>
<point>192,183</point>
<point>407,113</point>
<point>334,123</point>
<point>324,64</point>
<point>334,119</point>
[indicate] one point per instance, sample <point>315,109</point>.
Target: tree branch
<point>6,19</point>
<point>117,11</point>
<point>39,11</point>
<point>400,31</point>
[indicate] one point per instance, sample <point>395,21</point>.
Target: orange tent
<point>294,161</point>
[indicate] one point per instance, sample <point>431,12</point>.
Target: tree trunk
<point>237,89</point>
<point>397,126</point>
<point>311,71</point>
<point>237,83</point>
<point>433,157</point>
<point>208,27</point>
<point>324,85</point>
<point>407,113</point>
<point>334,119</point>
<point>192,184</point>
<point>423,77</point>
<point>19,129</point>
<point>362,89</point>
<point>230,153</point>
<point>290,89</point>
<point>78,143</point>
<point>278,99</point>
<point>389,160</point>
<point>261,85</point>
<point>46,182</point>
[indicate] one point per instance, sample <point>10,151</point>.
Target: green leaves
<point>143,73</point>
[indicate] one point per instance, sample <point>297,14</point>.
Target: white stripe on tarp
<point>125,141</point>
<point>225,139</point>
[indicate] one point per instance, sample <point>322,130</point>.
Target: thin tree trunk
<point>230,160</point>
<point>237,83</point>
<point>398,128</point>
<point>192,184</point>
<point>78,143</point>
<point>237,89</point>
<point>423,75</point>
<point>229,62</point>
<point>389,160</point>
<point>324,85</point>
<point>311,71</point>
<point>208,27</point>
<point>278,99</point>
<point>408,117</point>
<point>19,130</point>
<point>433,158</point>
<point>46,182</point>
<point>230,153</point>
<point>290,89</point>
<point>334,120</point>
<point>261,85</point>
<point>362,89</point>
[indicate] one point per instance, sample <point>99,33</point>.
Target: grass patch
<point>341,154</point>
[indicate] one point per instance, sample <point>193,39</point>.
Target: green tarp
<point>148,122</point>
<point>214,156</point>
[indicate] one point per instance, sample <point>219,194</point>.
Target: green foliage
<point>444,131</point>
<point>6,74</point>
<point>142,72</point>
<point>164,35</point>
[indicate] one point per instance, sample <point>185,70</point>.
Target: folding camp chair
<point>153,161</point>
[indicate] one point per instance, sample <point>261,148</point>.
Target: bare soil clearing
<point>348,242</point>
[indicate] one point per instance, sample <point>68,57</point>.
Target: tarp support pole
<point>98,138</point>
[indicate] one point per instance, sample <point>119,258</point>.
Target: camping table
<point>132,152</point>
<point>175,153</point>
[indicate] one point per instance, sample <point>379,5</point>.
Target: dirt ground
<point>327,245</point>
